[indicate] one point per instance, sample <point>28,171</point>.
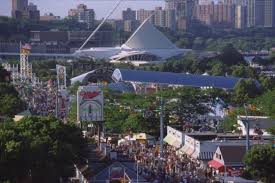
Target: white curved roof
<point>81,77</point>
<point>148,37</point>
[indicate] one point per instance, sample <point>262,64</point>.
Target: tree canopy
<point>39,149</point>
<point>10,101</point>
<point>259,162</point>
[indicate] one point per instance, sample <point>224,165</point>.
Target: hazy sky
<point>61,7</point>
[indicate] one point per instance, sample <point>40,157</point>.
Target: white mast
<point>102,22</point>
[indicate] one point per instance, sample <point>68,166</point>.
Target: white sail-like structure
<point>148,37</point>
<point>147,44</point>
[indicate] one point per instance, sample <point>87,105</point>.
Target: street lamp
<point>161,122</point>
<point>247,129</point>
<point>137,170</point>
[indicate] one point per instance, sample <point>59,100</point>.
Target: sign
<point>61,76</point>
<point>63,104</point>
<point>90,104</point>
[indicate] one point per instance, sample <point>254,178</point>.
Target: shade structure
<point>187,150</point>
<point>215,164</point>
<point>177,79</point>
<point>169,139</point>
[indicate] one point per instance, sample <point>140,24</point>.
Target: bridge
<point>46,55</point>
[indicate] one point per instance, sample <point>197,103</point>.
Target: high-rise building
<point>129,14</point>
<point>170,21</point>
<point>165,18</point>
<point>18,6</point>
<point>241,17</point>
<point>261,13</point>
<point>160,17</point>
<point>143,14</point>
<point>215,13</point>
<point>184,10</point>
<point>130,25</point>
<point>269,13</point>
<point>21,9</point>
<point>83,14</point>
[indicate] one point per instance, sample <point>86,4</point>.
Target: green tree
<point>244,90</point>
<point>218,70</point>
<point>267,83</point>
<point>266,103</point>
<point>259,162</point>
<point>238,71</point>
<point>230,56</point>
<point>39,149</point>
<point>10,102</point>
<point>272,130</point>
<point>3,74</point>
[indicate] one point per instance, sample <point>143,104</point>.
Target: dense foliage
<point>39,149</point>
<point>259,162</point>
<point>215,38</point>
<point>141,113</point>
<point>10,101</point>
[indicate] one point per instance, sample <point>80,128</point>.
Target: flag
<point>27,46</point>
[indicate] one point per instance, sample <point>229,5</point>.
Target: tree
<point>238,71</point>
<point>10,102</point>
<point>259,162</point>
<point>272,130</point>
<point>266,103</point>
<point>39,149</point>
<point>4,74</point>
<point>245,89</point>
<point>218,70</point>
<point>267,83</point>
<point>230,56</point>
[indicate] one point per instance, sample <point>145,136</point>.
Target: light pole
<point>137,170</point>
<point>161,123</point>
<point>247,129</point>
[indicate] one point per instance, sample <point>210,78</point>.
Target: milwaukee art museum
<point>146,45</point>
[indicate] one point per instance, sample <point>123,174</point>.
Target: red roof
<point>215,164</point>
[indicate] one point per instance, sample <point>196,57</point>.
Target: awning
<point>187,150</point>
<point>177,144</point>
<point>169,139</point>
<point>184,149</point>
<point>206,155</point>
<point>215,164</point>
<point>190,151</point>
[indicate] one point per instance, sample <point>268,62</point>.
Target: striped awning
<point>203,155</point>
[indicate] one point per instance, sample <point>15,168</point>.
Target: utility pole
<point>161,123</point>
<point>247,130</point>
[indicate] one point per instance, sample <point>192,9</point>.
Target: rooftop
<point>177,79</point>
<point>262,122</point>
<point>233,154</point>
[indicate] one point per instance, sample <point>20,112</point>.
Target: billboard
<point>90,104</point>
<point>61,76</point>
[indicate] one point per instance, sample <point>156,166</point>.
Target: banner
<point>63,104</point>
<point>61,77</point>
<point>90,104</point>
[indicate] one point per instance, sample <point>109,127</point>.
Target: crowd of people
<point>170,167</point>
<point>40,99</point>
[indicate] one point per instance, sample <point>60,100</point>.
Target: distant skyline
<point>61,7</point>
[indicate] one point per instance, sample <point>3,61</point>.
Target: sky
<point>61,7</point>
